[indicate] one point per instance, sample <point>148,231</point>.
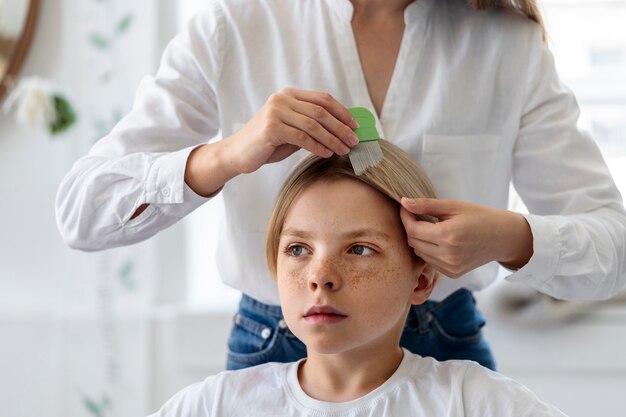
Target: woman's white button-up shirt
<point>474,98</point>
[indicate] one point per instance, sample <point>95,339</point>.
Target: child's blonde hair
<point>396,176</point>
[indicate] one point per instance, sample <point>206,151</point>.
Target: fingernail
<point>353,139</point>
<point>409,201</point>
<point>355,124</point>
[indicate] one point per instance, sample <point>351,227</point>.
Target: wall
<point>76,327</point>
<point>12,14</point>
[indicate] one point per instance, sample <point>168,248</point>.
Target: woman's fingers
<point>467,235</point>
<point>315,119</point>
<point>432,206</point>
<point>448,270</point>
<point>303,140</point>
<point>441,258</point>
<point>289,120</point>
<point>328,102</point>
<point>439,248</point>
<point>417,229</point>
<point>315,130</point>
<point>318,115</point>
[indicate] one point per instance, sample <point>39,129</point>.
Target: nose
<point>324,275</point>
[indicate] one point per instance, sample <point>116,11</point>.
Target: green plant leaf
<point>65,115</point>
<point>92,407</point>
<point>125,276</point>
<point>99,41</point>
<point>125,23</point>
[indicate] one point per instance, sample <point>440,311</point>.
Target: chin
<point>326,345</point>
<point>325,349</point>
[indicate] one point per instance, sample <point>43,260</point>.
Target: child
<point>346,279</point>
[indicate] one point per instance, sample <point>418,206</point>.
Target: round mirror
<point>17,22</point>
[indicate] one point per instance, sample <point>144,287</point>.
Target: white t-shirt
<point>419,387</point>
<point>474,98</point>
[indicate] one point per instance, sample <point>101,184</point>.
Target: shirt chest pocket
<point>461,167</point>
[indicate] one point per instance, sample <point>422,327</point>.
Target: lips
<point>324,315</point>
<point>323,310</point>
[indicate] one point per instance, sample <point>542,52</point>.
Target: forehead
<point>342,204</point>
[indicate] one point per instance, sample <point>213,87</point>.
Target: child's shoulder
<point>238,384</point>
<point>450,368</point>
<point>464,375</point>
<point>268,373</point>
<point>229,392</point>
<point>454,372</point>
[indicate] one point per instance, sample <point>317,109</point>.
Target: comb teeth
<point>365,155</point>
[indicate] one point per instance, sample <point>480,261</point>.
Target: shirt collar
<point>418,10</point>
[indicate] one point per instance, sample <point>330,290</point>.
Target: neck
<point>349,375</point>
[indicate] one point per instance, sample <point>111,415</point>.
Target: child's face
<point>343,251</point>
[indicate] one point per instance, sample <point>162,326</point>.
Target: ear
<point>427,278</point>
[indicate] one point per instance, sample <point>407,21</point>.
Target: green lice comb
<point>367,152</point>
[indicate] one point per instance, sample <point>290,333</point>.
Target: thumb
<point>429,206</point>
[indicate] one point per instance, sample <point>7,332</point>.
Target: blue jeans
<point>450,329</point>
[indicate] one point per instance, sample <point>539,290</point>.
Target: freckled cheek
<point>370,275</point>
<point>384,292</point>
<point>292,278</point>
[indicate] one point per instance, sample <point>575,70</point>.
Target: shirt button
<point>282,324</point>
<point>237,319</point>
<point>265,333</point>
<point>165,192</point>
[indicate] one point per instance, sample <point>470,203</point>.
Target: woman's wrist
<point>208,169</point>
<point>516,241</point>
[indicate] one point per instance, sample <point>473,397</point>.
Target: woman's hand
<point>290,120</point>
<point>467,235</point>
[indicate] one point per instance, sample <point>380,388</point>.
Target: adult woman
<point>423,66</point>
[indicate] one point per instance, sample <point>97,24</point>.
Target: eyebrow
<point>349,235</point>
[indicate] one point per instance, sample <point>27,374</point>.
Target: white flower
<point>33,99</point>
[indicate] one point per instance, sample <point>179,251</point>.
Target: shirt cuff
<point>544,262</point>
<point>166,185</point>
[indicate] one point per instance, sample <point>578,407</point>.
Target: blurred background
<point>116,333</point>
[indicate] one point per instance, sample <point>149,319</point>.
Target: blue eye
<point>297,250</point>
<point>361,250</point>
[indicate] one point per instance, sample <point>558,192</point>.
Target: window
<point>592,62</point>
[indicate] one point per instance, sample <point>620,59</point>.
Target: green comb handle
<point>366,131</point>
